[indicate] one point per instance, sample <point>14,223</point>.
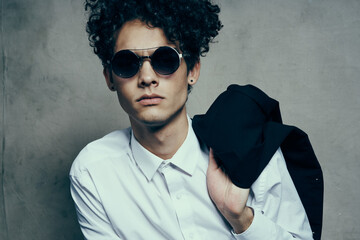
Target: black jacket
<point>244,128</point>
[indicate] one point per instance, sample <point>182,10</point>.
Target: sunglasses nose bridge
<point>142,59</point>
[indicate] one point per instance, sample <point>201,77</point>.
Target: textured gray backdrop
<point>304,53</point>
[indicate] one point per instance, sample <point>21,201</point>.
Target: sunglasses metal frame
<point>141,59</point>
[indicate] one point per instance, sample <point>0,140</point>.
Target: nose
<point>147,75</point>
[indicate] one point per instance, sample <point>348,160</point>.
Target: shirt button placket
<point>181,204</point>
<point>178,196</point>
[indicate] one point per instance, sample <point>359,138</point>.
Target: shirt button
<point>179,196</point>
<point>191,236</point>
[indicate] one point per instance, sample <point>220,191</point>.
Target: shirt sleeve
<point>92,218</point>
<point>278,211</point>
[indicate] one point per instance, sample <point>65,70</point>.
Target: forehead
<point>138,35</point>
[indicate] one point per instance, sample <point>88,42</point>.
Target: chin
<point>150,120</point>
<point>156,119</point>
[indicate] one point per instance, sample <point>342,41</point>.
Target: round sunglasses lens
<point>165,60</point>
<point>125,64</point>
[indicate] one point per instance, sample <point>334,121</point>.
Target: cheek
<point>179,87</point>
<point>181,93</point>
<point>181,79</point>
<point>125,96</point>
<point>124,103</point>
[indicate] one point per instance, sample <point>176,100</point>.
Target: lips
<point>148,100</point>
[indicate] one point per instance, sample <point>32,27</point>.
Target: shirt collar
<point>185,158</point>
<point>147,161</point>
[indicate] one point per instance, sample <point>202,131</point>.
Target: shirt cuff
<point>260,228</point>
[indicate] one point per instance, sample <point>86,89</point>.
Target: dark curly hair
<point>190,23</point>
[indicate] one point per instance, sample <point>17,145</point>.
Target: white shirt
<point>123,191</point>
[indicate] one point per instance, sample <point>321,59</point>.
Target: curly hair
<point>193,24</point>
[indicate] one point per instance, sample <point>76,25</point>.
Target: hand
<point>228,198</point>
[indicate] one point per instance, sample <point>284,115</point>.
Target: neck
<point>163,140</point>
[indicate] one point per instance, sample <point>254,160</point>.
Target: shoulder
<point>112,145</point>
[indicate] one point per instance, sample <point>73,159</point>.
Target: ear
<point>108,78</point>
<point>194,73</point>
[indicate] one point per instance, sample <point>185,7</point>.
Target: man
<point>155,180</point>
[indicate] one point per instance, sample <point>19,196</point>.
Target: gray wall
<point>304,53</point>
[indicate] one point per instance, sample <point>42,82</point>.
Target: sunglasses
<point>165,61</point>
